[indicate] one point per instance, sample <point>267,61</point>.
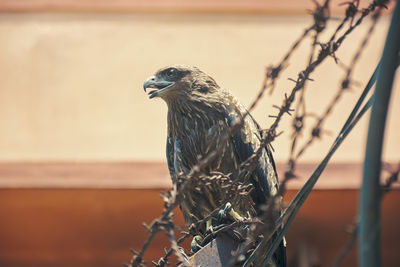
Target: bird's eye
<point>171,73</point>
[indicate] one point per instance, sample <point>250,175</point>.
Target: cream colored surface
<point>71,85</point>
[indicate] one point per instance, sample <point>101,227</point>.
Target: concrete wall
<point>71,84</point>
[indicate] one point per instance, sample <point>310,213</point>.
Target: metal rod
<point>369,201</point>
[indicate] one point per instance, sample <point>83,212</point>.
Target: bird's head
<point>178,82</point>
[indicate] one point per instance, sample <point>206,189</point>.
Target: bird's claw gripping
<point>236,216</point>
<point>209,227</point>
<point>229,210</point>
<point>195,244</point>
<point>222,212</point>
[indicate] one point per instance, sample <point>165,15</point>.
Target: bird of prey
<point>199,116</point>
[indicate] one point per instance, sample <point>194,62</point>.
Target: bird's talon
<point>209,230</point>
<point>209,227</point>
<point>227,207</point>
<point>222,213</point>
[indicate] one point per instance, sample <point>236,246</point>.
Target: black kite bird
<point>199,115</point>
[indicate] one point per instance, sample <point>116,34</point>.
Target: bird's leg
<point>198,239</point>
<point>195,244</point>
<point>228,209</point>
<point>236,216</point>
<point>209,227</point>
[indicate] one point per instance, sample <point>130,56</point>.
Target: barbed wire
<point>196,180</point>
<point>345,85</point>
<point>290,167</point>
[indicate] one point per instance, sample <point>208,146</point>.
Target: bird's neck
<point>189,115</point>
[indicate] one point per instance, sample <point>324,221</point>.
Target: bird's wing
<point>246,141</point>
<point>268,151</point>
<point>175,158</point>
<point>264,179</point>
<point>170,157</point>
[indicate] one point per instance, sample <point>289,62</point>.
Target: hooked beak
<point>158,85</point>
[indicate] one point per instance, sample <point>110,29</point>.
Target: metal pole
<point>369,202</point>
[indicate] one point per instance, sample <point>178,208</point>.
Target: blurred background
<point>82,148</point>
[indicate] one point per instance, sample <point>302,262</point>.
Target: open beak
<point>158,85</point>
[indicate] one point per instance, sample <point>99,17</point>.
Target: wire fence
<point>253,249</point>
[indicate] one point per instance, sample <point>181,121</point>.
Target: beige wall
<point>71,85</point>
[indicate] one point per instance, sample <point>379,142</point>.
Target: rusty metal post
<point>217,253</point>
